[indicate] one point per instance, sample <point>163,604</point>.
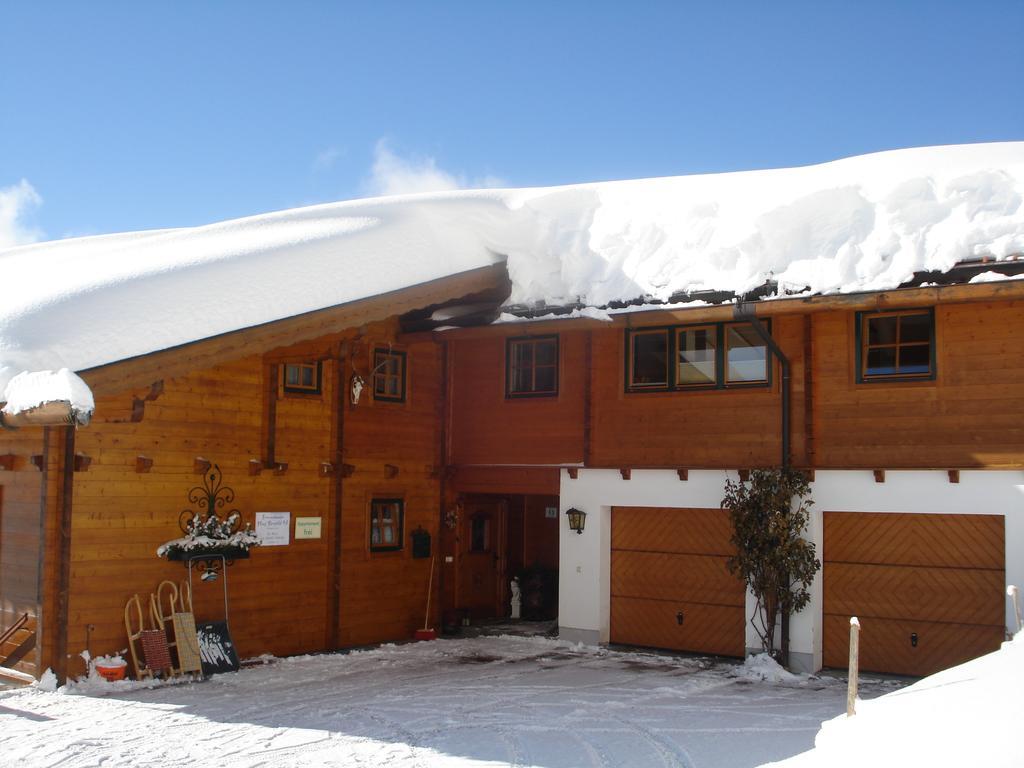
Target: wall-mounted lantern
<point>577,519</point>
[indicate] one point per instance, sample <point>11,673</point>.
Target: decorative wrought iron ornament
<point>213,530</point>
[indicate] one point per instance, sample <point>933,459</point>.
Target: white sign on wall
<point>307,527</point>
<point>273,528</point>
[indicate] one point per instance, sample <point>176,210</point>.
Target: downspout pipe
<point>745,313</point>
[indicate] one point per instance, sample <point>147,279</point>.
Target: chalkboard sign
<point>216,650</point>
<point>420,543</point>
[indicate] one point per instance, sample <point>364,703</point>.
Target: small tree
<point>769,515</point>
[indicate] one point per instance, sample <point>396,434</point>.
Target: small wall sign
<point>307,528</point>
<point>273,528</point>
<point>551,513</point>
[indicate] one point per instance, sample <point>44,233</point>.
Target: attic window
<point>896,346</point>
<point>302,378</point>
<point>389,375</point>
<point>531,366</point>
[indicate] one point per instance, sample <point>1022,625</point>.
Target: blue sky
<point>119,116</point>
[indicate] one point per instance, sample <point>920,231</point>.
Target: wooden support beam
<point>390,471</point>
<point>347,470</point>
<point>684,474</point>
<point>744,475</point>
<point>954,475</point>
<point>326,469</point>
<point>143,464</point>
<point>626,473</point>
<point>255,467</point>
<point>574,472</point>
<point>82,462</point>
<point>201,466</point>
<point>280,468</point>
<point>38,461</point>
<point>7,461</point>
<point>879,475</point>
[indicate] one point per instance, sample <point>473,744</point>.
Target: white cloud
<point>15,202</point>
<point>395,175</point>
<point>326,158</point>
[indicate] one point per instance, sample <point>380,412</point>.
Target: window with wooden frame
<point>531,366</point>
<point>705,356</point>
<point>746,355</point>
<point>389,375</point>
<point>896,346</point>
<point>386,521</point>
<point>302,378</point>
<point>648,355</point>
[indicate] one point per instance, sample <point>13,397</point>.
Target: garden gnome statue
<point>517,600</point>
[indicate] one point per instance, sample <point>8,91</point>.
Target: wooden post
<point>1014,594</point>
<point>851,688</point>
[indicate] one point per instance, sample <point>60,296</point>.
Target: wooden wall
<point>969,416</point>
<point>278,597</point>
<point>20,517</point>
<point>488,428</point>
<point>383,594</point>
<point>283,600</point>
<point>739,427</point>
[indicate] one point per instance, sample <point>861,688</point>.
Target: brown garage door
<point>928,589</point>
<point>669,584</point>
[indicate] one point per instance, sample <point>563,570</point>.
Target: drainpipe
<point>745,312</point>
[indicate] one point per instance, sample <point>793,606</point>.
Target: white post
<point>1014,594</point>
<point>851,688</point>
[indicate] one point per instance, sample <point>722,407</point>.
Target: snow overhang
<point>46,399</point>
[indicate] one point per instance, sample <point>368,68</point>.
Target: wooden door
<point>670,587</point>
<point>482,561</point>
<point>928,590</point>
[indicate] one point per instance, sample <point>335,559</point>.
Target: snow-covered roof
<point>863,223</point>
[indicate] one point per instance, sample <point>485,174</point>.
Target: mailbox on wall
<point>420,543</point>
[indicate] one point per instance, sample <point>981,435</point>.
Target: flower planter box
<point>202,553</point>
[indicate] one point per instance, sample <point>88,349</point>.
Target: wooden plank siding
<point>730,428</point>
<point>383,594</point>
<point>280,598</point>
<point>21,490</point>
<point>488,428</point>
<point>967,417</point>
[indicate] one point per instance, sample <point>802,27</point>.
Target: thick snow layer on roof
<point>862,223</point>
<point>965,715</point>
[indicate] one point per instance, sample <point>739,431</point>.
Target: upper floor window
<point>710,356</point>
<point>531,366</point>
<point>388,375</point>
<point>386,519</point>
<point>896,346</point>
<point>303,378</point>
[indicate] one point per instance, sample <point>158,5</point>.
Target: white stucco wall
<point>585,560</point>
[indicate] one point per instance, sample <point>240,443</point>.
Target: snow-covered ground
<point>968,715</point>
<point>469,702</point>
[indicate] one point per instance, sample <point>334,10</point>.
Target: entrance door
<point>482,558</point>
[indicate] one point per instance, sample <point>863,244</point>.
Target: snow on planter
<point>211,535</point>
<point>863,223</point>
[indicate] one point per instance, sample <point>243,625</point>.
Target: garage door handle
<point>679,618</point>
<point>913,639</point>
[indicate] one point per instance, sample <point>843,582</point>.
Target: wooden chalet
<point>425,444</point>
